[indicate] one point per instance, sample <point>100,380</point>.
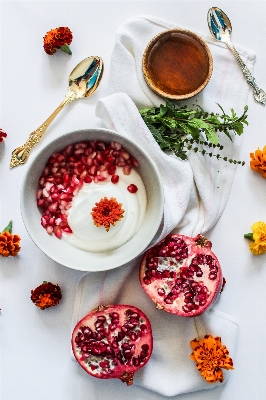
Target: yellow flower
<point>211,356</point>
<point>258,245</point>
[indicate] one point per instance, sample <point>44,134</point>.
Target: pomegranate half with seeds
<point>113,342</point>
<point>181,275</point>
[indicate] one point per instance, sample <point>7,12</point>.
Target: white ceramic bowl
<point>72,257</point>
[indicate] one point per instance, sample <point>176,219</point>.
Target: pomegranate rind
<point>119,357</point>
<point>168,274</point>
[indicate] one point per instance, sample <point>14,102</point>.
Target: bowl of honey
<point>177,64</point>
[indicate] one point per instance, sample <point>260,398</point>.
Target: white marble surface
<point>35,345</point>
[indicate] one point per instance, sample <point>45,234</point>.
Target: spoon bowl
<point>86,76</point>
<point>219,24</point>
<point>83,81</point>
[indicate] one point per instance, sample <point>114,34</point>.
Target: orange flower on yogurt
<point>107,212</point>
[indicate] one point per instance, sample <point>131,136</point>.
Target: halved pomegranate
<point>113,342</point>
<point>181,275</point>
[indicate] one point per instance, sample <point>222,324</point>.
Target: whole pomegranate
<point>181,275</point>
<point>113,342</point>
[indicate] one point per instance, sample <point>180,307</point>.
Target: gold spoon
<point>83,81</point>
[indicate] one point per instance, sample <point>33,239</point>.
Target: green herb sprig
<point>178,130</point>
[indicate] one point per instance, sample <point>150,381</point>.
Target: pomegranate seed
<point>87,179</point>
<point>40,202</point>
<point>79,151</point>
<point>132,188</point>
<point>134,162</point>
<point>110,159</point>
<point>43,222</point>
<point>100,145</point>
<point>49,229</point>
<point>83,174</point>
<point>39,193</point>
<point>124,154</point>
<point>45,193</point>
<point>126,169</point>
<point>57,232</point>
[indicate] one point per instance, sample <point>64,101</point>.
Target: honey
<point>176,64</point>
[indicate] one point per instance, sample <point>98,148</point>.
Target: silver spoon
<point>221,28</point>
<point>83,81</point>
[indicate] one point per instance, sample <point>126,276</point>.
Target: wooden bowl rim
<point>146,70</point>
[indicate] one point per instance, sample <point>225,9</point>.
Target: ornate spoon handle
<point>21,154</point>
<point>259,94</point>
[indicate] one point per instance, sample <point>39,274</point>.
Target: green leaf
<point>190,130</point>
<point>197,123</point>
<point>157,136</point>
<point>238,128</point>
<point>163,110</point>
<point>66,49</point>
<point>170,122</point>
<point>8,228</point>
<point>249,236</point>
<point>211,135</point>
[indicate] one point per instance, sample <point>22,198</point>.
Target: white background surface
<point>35,344</point>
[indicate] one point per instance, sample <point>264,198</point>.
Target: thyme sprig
<point>179,129</point>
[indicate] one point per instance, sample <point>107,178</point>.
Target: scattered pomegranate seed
<point>132,188</point>
<point>115,178</point>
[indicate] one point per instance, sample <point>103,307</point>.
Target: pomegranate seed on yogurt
<point>78,177</point>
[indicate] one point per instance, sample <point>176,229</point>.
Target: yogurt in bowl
<point>85,234</point>
<point>98,193</point>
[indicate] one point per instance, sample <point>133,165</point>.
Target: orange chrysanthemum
<point>258,161</point>
<point>211,356</point>
<point>9,244</point>
<point>107,212</point>
<point>46,295</point>
<point>58,38</point>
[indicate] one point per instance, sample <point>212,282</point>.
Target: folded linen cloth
<point>196,192</point>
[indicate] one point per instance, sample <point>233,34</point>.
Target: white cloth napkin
<point>196,192</point>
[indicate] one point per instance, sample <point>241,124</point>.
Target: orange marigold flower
<point>258,161</point>
<point>107,212</point>
<point>46,295</point>
<point>9,244</point>
<point>58,38</point>
<point>2,135</point>
<point>211,356</point>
